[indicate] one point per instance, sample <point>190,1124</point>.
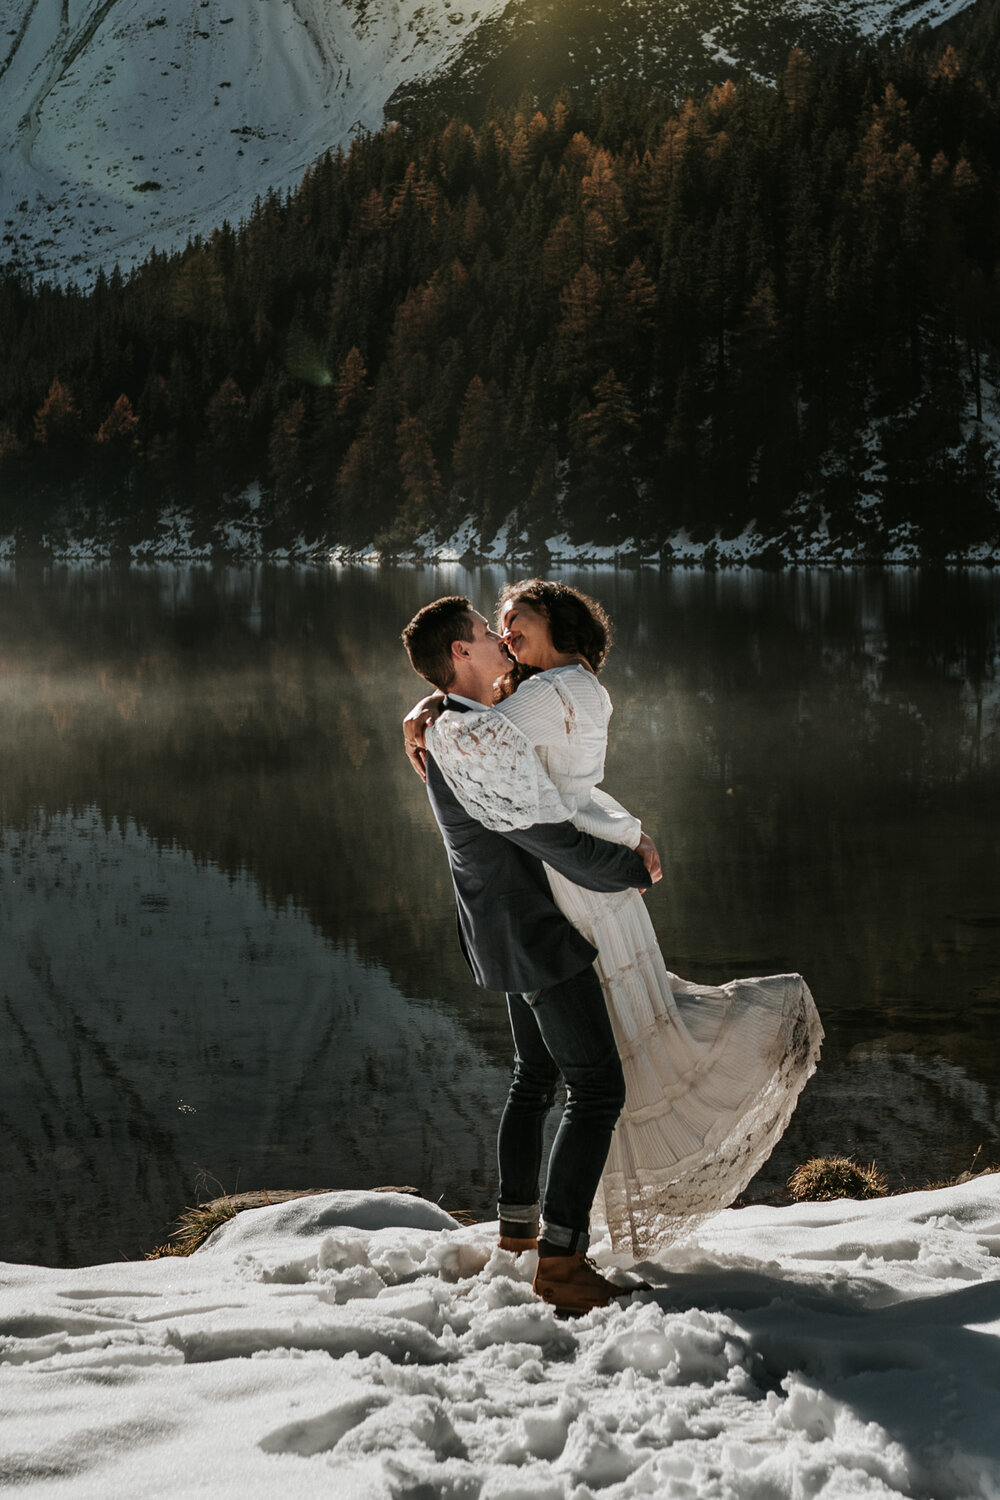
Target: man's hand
<point>415,726</point>
<point>646,851</point>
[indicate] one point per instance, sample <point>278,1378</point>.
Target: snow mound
<point>365,1345</point>
<point>304,1217</point>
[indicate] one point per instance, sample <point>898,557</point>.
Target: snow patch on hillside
<point>874,18</point>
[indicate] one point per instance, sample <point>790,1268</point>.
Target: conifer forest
<point>619,318</point>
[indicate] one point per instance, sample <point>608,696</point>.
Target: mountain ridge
<point>139,124</point>
<point>679,49</point>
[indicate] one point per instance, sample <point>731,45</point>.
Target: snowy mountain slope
<point>132,124</point>
<point>129,125</point>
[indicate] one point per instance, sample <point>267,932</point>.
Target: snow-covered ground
<point>364,1346</point>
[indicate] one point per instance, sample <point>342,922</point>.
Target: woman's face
<point>526,633</point>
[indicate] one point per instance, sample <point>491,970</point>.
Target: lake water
<point>228,949</point>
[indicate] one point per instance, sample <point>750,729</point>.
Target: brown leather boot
<point>573,1285</point>
<point>516,1246</point>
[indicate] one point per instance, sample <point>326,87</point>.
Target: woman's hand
<point>646,851</point>
<point>416,725</point>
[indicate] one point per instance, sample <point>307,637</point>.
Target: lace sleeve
<point>494,772</point>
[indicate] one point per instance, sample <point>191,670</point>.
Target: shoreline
<point>704,558</point>
<point>196,1223</point>
<point>175,537</point>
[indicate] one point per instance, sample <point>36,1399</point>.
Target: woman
<point>712,1074</point>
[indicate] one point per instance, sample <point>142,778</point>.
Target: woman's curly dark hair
<point>577,623</point>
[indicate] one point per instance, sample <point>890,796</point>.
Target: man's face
<point>487,652</point>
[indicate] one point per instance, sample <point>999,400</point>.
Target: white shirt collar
<point>469,702</point>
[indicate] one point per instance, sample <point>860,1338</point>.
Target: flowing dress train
<point>712,1073</point>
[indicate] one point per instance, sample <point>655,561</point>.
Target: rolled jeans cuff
<point>566,1239</point>
<point>521,1213</point>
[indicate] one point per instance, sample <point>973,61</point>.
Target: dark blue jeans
<point>561,1030</point>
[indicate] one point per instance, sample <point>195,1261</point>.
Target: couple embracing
<point>675,1093</point>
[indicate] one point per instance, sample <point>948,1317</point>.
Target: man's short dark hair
<point>428,637</point>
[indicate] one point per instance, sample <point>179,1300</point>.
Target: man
<point>515,939</point>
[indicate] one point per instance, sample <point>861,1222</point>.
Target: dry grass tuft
<point>465,1216</point>
<point>194,1227</point>
<point>827,1177</point>
<point>973,1171</point>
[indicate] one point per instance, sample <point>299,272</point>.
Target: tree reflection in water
<point>816,753</point>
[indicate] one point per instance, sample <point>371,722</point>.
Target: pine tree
<point>57,420</point>
<point>602,432</point>
<point>118,434</point>
<point>351,387</point>
<point>284,455</point>
<point>477,462</point>
<point>582,326</point>
<point>226,417</point>
<point>421,480</point>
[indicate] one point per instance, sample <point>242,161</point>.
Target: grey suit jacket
<point>513,935</point>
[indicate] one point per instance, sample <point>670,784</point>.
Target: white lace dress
<point>712,1074</point>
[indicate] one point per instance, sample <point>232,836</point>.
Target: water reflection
<point>161,1016</point>
<point>817,753</point>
